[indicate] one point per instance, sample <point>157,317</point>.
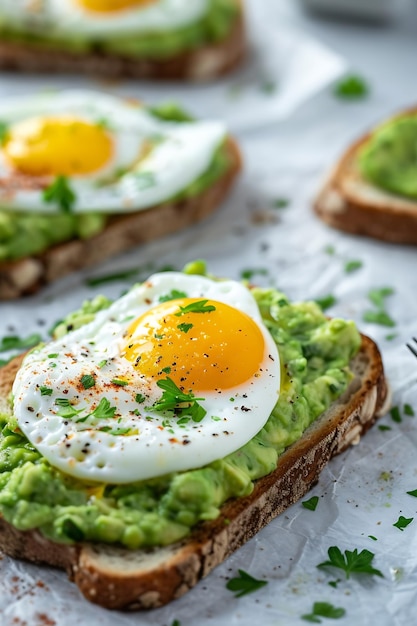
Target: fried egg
<point>115,155</point>
<point>177,373</point>
<point>103,18</point>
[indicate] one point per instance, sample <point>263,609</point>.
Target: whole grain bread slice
<point>204,63</point>
<point>349,202</point>
<point>117,578</point>
<point>27,275</point>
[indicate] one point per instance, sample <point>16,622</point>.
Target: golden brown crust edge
<point>202,64</point>
<point>118,579</point>
<point>27,275</point>
<point>393,222</point>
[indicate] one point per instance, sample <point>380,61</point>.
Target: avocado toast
<point>332,389</point>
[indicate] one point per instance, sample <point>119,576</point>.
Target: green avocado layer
<point>25,234</point>
<point>315,353</point>
<point>389,158</point>
<point>212,28</point>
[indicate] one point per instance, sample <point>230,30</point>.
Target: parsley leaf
<point>323,609</point>
<point>174,294</point>
<point>250,273</point>
<point>176,401</point>
<point>326,302</point>
<point>352,562</point>
<point>395,414</point>
<point>66,410</point>
<point>403,522</point>
<point>352,266</point>
<point>88,381</point>
<point>103,410</point>
<point>244,584</point>
<point>351,87</point>
<point>383,427</point>
<point>408,410</point>
<point>60,193</point>
<point>12,342</point>
<point>119,382</point>
<point>176,623</point>
<point>4,128</point>
<point>377,296</point>
<point>45,391</point>
<point>311,504</point>
<point>184,328</point>
<point>378,317</point>
<point>140,398</point>
<point>413,493</point>
<point>115,431</point>
<point>196,307</point>
<point>280,203</point>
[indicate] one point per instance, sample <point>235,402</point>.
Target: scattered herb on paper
<point>378,317</point>
<point>408,410</point>
<point>395,414</point>
<point>413,493</point>
<point>280,203</point>
<point>311,504</point>
<point>12,342</point>
<point>351,562</point>
<point>353,266</point>
<point>402,522</point>
<point>323,609</point>
<point>383,427</point>
<point>378,296</point>
<point>244,584</point>
<point>351,87</point>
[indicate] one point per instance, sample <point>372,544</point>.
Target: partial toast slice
<point>117,578</point>
<point>204,63</point>
<point>349,202</point>
<point>27,275</point>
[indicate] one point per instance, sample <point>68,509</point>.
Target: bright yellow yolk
<point>214,350</point>
<point>53,146</point>
<point>111,6</point>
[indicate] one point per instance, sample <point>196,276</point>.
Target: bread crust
<point>201,64</point>
<point>117,578</point>
<point>27,275</point>
<point>348,202</point>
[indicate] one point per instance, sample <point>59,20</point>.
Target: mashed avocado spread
<point>24,234</point>
<point>213,27</point>
<point>315,353</point>
<point>389,158</point>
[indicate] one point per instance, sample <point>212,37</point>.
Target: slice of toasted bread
<point>205,63</point>
<point>349,202</point>
<point>117,578</point>
<point>27,275</point>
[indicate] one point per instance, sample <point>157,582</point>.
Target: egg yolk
<point>215,349</point>
<point>52,146</point>
<point>112,6</point>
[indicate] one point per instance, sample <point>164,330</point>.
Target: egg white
<point>66,17</point>
<point>183,152</point>
<point>233,417</point>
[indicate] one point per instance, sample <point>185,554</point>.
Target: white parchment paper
<point>363,491</point>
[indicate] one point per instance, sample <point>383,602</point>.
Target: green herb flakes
<point>351,562</point>
<point>196,307</point>
<point>351,87</point>
<point>60,193</point>
<point>403,522</point>
<point>323,609</point>
<point>353,266</point>
<point>326,302</point>
<point>174,294</point>
<point>244,584</point>
<point>311,504</point>
<point>408,410</point>
<point>88,381</point>
<point>12,342</point>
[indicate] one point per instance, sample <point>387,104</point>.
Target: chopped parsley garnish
<point>413,493</point>
<point>196,307</point>
<point>408,410</point>
<point>352,562</point>
<point>176,401</point>
<point>144,180</point>
<point>53,355</point>
<point>102,364</point>
<point>120,382</point>
<point>378,317</point>
<point>311,504</point>
<point>174,294</point>
<point>88,381</point>
<point>115,431</point>
<point>373,538</point>
<point>45,391</point>
<point>104,410</point>
<point>184,328</point>
<point>280,203</point>
<point>383,427</point>
<point>249,273</point>
<point>176,623</point>
<point>330,250</point>
<point>391,336</point>
<point>59,192</point>
<point>12,342</point>
<point>140,398</point>
<point>166,370</point>
<point>377,296</point>
<point>244,584</point>
<point>323,609</point>
<point>326,302</point>
<point>395,414</point>
<point>4,129</point>
<point>403,522</point>
<point>352,266</point>
<point>109,278</point>
<point>66,410</point>
<point>351,87</point>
